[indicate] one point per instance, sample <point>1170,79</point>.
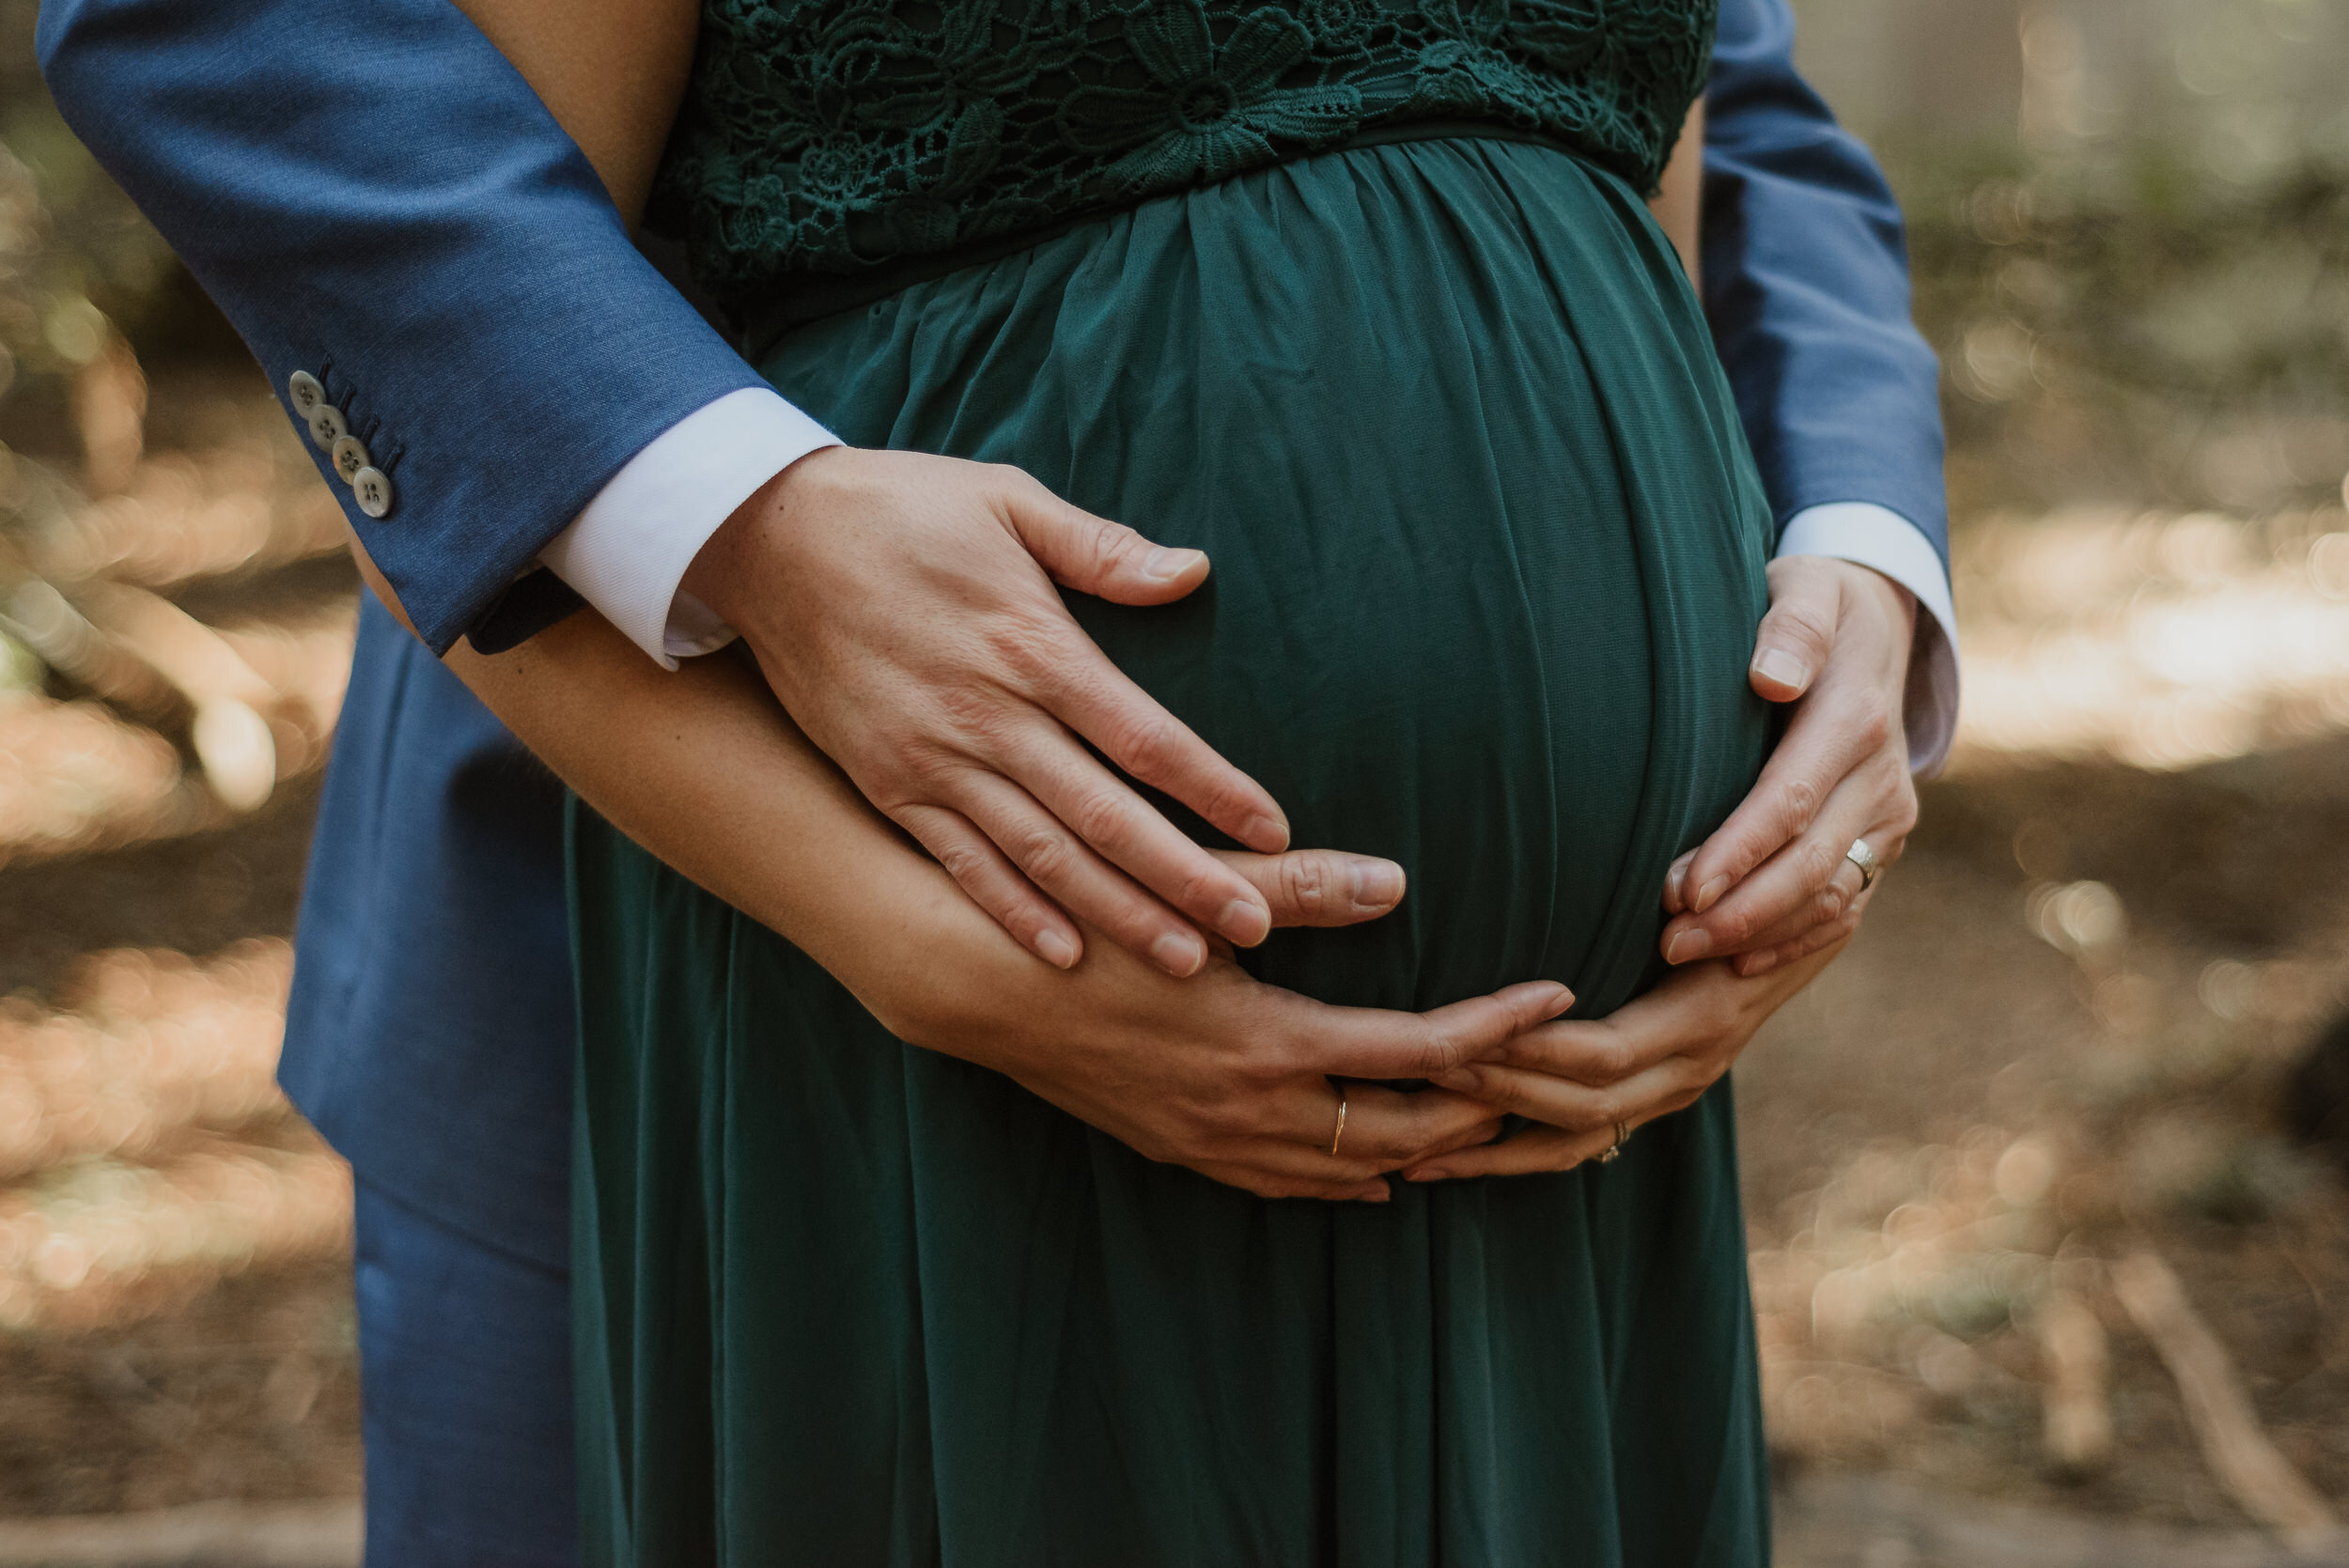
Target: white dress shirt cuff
<point>1882,540</point>
<point>627,554</point>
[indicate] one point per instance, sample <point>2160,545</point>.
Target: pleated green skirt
<point>1488,560</point>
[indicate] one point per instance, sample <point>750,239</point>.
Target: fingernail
<point>1379,1194</point>
<point>1781,666</point>
<point>1708,894</point>
<point>1164,564</point>
<point>1243,923</point>
<point>1429,1176</point>
<point>1675,885</point>
<point>1266,835</point>
<point>1179,954</point>
<point>1686,947</point>
<point>1565,1000</point>
<point>1056,950</point>
<point>1460,1080</point>
<point>1752,964</point>
<point>1374,884</point>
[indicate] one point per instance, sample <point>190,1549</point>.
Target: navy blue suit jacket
<point>372,193</point>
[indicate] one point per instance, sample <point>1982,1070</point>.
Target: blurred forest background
<point>2045,1180</point>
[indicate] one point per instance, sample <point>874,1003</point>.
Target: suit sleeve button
<point>373,489</point>
<point>305,393</point>
<point>349,458</point>
<point>327,427</point>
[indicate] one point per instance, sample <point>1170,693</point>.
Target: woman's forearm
<point>705,769</point>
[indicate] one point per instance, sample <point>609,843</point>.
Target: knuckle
<point>1735,925</point>
<point>1903,817</point>
<point>1606,1064</point>
<point>1610,1055</point>
<point>1806,625</point>
<point>1222,1117</point>
<point>964,862</point>
<point>1816,863</point>
<point>1799,800</point>
<point>1203,888</point>
<point>1028,647</point>
<point>1147,743</point>
<point>1436,1050</point>
<point>1502,1091</point>
<point>1871,728</point>
<point>933,767</point>
<point>1114,544</point>
<point>1266,1061</point>
<point>1305,884</point>
<point>1097,815</point>
<point>1012,479</point>
<point>966,711</point>
<point>1044,853</point>
<point>1720,1014</point>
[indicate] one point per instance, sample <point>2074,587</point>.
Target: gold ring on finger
<point>1337,1137</point>
<point>1615,1150</point>
<point>1865,858</point>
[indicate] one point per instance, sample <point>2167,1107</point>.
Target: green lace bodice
<point>838,135</point>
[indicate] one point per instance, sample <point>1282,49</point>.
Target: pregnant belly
<point>1487,545</point>
<point>1430,658</point>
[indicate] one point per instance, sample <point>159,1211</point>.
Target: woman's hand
<point>1219,1072</point>
<point>1772,884</point>
<point>1583,1078</point>
<point>902,607</point>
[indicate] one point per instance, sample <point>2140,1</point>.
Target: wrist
<point>1888,603</point>
<point>1903,602</point>
<point>723,574</point>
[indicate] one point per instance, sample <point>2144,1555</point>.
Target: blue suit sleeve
<point>1806,284</point>
<point>374,195</point>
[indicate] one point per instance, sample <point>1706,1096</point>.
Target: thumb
<point>1097,556</point>
<point>1795,637</point>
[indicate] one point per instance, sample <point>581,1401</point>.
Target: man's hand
<point>1585,1078</point>
<point>1773,884</point>
<point>901,606</point>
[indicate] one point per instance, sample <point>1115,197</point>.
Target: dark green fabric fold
<point>1488,560</point>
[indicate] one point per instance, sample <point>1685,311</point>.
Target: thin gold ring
<point>1615,1150</point>
<point>1339,1136</point>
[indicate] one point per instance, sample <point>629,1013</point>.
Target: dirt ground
<point>1954,1025</point>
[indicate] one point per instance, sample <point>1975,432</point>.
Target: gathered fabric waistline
<point>813,296</point>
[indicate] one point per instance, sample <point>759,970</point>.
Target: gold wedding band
<point>1865,858</point>
<point>1339,1136</point>
<point>1615,1150</point>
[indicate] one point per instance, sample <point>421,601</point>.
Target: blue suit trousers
<point>465,1354</point>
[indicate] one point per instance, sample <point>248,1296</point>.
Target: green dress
<point>1488,560</point>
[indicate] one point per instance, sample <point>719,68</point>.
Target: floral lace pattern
<point>837,135</point>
